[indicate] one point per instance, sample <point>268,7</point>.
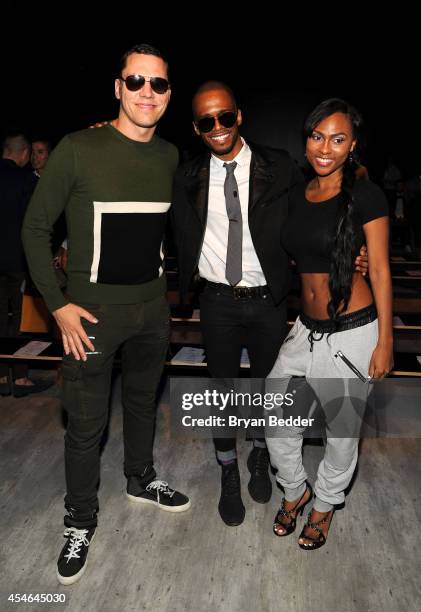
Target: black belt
<point>358,318</point>
<point>239,293</point>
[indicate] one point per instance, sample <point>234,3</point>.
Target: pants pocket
<point>80,399</point>
<point>357,345</point>
<point>72,376</point>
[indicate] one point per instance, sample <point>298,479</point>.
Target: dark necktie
<point>233,270</point>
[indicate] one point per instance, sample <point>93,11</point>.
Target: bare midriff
<point>315,294</point>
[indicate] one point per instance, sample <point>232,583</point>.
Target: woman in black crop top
<point>329,219</point>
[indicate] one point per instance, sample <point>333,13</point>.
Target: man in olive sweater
<point>114,185</point>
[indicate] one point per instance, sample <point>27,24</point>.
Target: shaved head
<point>17,147</point>
<point>15,144</point>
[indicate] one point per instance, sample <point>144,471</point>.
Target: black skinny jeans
<point>228,324</point>
<point>142,332</point>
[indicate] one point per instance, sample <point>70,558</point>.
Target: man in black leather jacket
<point>252,311</point>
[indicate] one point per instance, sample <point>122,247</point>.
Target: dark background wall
<point>59,78</point>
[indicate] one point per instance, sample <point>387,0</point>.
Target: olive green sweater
<point>115,193</point>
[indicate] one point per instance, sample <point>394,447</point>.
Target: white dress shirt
<point>213,257</point>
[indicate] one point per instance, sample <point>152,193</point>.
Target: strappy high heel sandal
<point>288,514</point>
<point>319,540</point>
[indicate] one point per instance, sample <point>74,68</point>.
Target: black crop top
<point>311,226</point>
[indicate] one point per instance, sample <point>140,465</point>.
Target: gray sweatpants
<point>343,398</point>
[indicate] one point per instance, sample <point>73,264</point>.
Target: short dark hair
<point>211,86</point>
<point>44,141</point>
<point>143,49</point>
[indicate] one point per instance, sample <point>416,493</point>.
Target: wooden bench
<point>186,332</point>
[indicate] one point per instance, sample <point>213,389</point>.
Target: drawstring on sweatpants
<point>344,322</point>
<point>312,338</point>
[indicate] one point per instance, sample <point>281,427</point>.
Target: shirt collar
<point>242,158</point>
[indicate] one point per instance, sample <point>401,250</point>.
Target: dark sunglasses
<point>206,124</point>
<point>134,82</point>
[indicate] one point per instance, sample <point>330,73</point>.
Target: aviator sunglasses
<point>134,82</point>
<point>226,119</point>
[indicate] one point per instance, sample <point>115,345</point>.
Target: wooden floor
<point>146,559</point>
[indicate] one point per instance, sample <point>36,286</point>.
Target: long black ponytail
<point>343,247</point>
<point>344,239</point>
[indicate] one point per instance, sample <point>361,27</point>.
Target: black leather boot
<point>231,507</point>
<point>260,484</point>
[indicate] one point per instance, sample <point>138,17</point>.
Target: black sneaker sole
<point>68,580</point>
<point>141,500</point>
